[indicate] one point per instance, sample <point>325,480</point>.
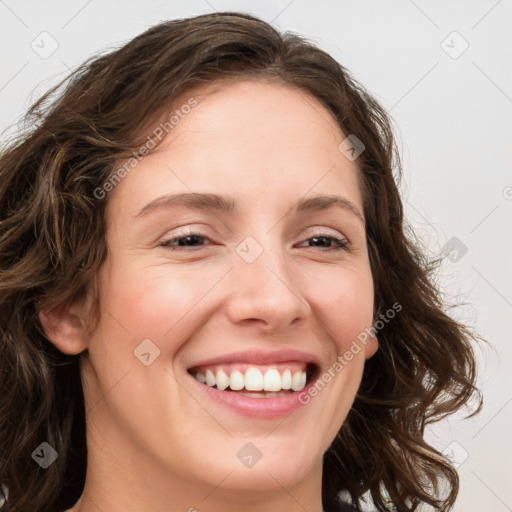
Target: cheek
<point>345,307</point>
<point>153,302</point>
<point>345,311</point>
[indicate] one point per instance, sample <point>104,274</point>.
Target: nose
<point>266,292</point>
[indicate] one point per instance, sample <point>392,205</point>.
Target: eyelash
<point>342,243</point>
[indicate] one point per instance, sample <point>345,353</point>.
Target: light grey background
<point>452,111</point>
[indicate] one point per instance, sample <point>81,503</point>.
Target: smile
<point>246,378</point>
<point>269,390</point>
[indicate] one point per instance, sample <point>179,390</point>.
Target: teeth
<point>254,380</point>
<point>286,379</point>
<point>298,381</point>
<point>236,380</point>
<point>222,380</point>
<point>210,378</point>
<point>272,380</point>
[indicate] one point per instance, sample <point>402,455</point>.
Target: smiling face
<point>261,284</point>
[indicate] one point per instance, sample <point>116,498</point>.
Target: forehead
<point>262,139</point>
<point>257,114</point>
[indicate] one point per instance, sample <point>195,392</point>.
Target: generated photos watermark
<point>343,360</point>
<point>159,133</point>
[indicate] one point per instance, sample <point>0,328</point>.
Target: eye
<point>192,239</point>
<point>183,240</point>
<point>339,243</point>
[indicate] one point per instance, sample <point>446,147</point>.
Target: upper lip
<point>256,356</point>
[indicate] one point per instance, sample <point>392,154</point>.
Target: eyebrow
<point>221,203</point>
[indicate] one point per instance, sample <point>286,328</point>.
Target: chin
<point>263,465</point>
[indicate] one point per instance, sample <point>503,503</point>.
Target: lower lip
<point>263,408</point>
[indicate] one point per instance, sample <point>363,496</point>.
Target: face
<point>195,287</point>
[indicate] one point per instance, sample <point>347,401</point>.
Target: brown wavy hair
<point>52,242</point>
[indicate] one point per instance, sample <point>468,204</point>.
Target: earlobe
<point>371,347</point>
<point>66,330</point>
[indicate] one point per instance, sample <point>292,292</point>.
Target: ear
<point>371,347</point>
<point>65,327</point>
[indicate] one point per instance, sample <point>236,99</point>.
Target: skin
<point>154,442</point>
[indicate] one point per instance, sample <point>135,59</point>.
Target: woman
<point>208,298</point>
